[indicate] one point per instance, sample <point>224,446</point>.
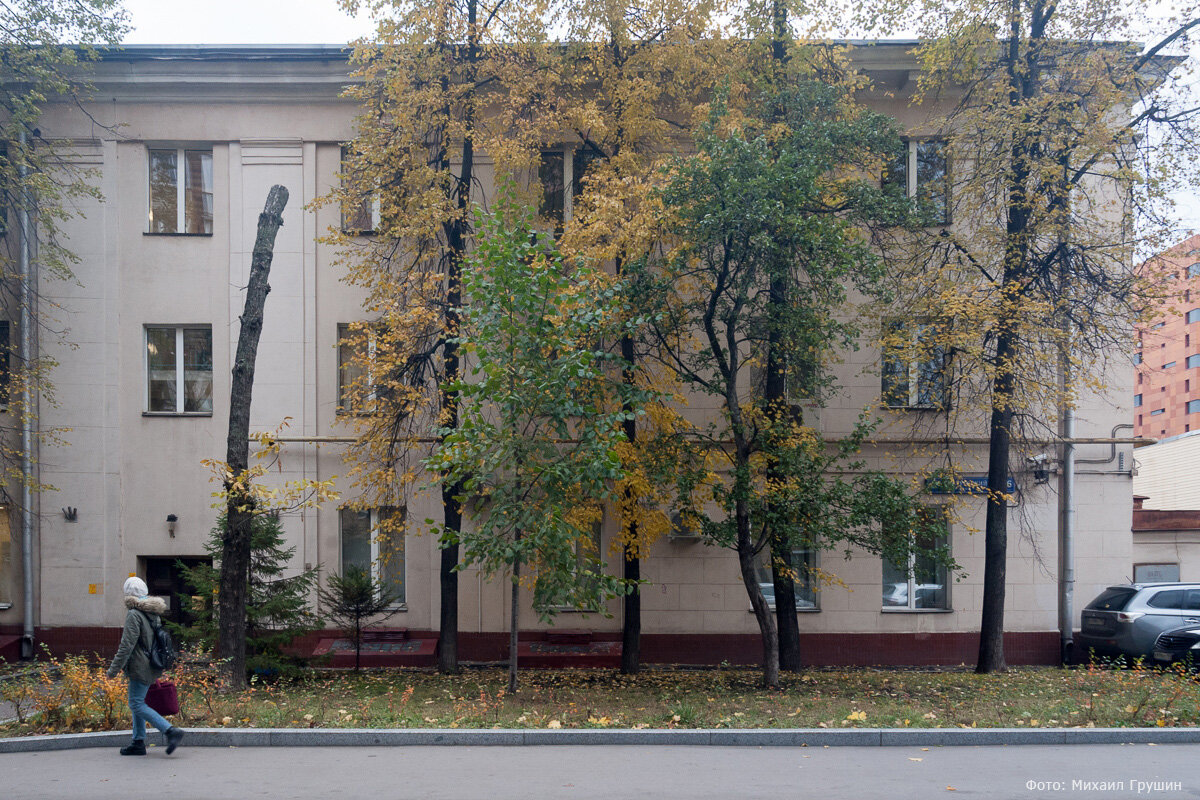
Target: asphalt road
<point>608,772</point>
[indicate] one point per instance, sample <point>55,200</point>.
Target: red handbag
<point>163,697</point>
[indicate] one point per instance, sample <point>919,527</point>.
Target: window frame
<point>1192,407</point>
<point>368,206</point>
<point>811,563</point>
<point>371,394</point>
<point>581,563</point>
<point>374,532</point>
<point>1192,316</point>
<point>180,371</point>
<point>575,160</point>
<point>910,607</point>
<point>1193,361</point>
<point>916,371</point>
<point>912,183</point>
<point>180,151</point>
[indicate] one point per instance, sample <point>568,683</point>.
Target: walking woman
<point>133,656</point>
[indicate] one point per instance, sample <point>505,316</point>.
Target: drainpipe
<point>1066,588</point>
<point>26,270</point>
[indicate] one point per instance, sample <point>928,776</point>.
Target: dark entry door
<point>164,578</point>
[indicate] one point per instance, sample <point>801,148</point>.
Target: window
<point>357,381</point>
<point>1137,358</point>
<point>1193,270</point>
<point>1137,400</point>
<point>1193,407</point>
<point>588,567</point>
<point>922,172</point>
<point>5,200</point>
<point>921,583</point>
<point>1193,315</point>
<point>1155,573</point>
<point>556,173</point>
<point>1158,326</point>
<point>1168,365</point>
<point>6,574</point>
<point>913,369</point>
<point>181,203</point>
<point>5,377</point>
<point>374,539</point>
<point>179,370</point>
<point>1157,411</point>
<point>803,565</point>
<point>1193,361</point>
<point>361,217</point>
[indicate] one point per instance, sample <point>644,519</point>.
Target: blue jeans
<point>143,713</point>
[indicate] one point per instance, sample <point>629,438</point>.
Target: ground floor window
<point>374,539</point>
<point>6,561</point>
<point>921,583</point>
<point>802,564</point>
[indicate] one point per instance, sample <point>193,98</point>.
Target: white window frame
<point>376,217</point>
<point>766,579</point>
<point>912,186</point>
<point>910,607</point>
<point>180,188</point>
<point>180,372</point>
<point>569,153</point>
<point>913,369</point>
<point>369,397</point>
<point>376,561</point>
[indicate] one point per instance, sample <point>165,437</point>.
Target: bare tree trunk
<point>235,539</point>
<point>514,621</point>
<point>762,612</point>
<point>995,537</point>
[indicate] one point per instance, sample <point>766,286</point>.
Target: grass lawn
<point>659,698</point>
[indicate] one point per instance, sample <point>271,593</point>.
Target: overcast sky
<point>241,22</point>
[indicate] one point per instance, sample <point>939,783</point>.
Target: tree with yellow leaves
<point>442,85</point>
<point>1059,179</point>
<point>630,79</point>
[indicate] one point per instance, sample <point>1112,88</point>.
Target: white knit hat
<point>135,587</point>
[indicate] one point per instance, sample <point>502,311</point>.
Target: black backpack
<point>161,653</point>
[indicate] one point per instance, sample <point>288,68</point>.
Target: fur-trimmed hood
<point>151,605</point>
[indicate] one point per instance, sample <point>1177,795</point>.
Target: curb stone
<point>724,737</point>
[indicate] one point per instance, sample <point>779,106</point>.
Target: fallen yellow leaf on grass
<point>553,724</point>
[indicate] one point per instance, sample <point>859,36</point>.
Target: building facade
<point>1167,360</point>
<point>187,142</point>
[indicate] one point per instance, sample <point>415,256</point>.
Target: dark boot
<point>174,737</point>
<point>136,748</point>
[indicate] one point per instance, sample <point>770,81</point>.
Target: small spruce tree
<point>277,607</point>
<point>353,599</point>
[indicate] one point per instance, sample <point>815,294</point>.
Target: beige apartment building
<point>187,141</point>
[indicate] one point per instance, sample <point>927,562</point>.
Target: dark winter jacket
<point>131,658</point>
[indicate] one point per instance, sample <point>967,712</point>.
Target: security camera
<point>1040,458</point>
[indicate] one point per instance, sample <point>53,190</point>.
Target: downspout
<point>26,272</point>
<point>1066,587</point>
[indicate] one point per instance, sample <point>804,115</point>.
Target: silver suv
<point>1126,620</point>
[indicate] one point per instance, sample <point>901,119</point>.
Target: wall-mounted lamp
<point>171,520</point>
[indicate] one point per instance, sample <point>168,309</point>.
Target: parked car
<point>1178,644</point>
<point>1126,620</point>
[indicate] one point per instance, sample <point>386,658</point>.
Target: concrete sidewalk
<point>796,737</point>
<point>1109,771</point>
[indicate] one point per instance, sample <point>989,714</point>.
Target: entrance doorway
<point>165,578</point>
